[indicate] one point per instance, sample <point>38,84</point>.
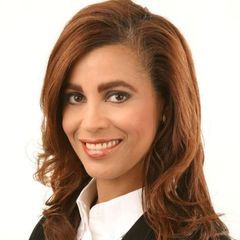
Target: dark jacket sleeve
<point>37,233</point>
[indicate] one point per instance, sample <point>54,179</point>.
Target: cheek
<point>144,124</point>
<point>69,122</point>
<point>138,121</point>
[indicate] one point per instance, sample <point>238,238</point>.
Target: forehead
<point>108,63</point>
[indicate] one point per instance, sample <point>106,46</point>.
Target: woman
<point>122,146</point>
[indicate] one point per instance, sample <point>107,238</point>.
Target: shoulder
<point>220,236</point>
<point>142,231</point>
<point>37,233</point>
<point>224,237</point>
<point>152,237</point>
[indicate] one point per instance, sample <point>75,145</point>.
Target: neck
<point>108,189</point>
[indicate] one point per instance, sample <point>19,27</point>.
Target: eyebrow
<point>104,86</point>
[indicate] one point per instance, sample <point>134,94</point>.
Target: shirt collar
<point>110,219</point>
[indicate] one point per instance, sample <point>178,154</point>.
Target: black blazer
<point>139,231</point>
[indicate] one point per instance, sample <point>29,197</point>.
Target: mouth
<point>100,148</point>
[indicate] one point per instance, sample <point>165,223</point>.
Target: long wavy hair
<point>177,201</point>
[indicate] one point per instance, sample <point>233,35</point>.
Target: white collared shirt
<point>108,220</point>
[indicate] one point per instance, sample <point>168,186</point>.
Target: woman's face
<point>111,113</point>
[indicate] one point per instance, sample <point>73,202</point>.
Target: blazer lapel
<point>139,231</point>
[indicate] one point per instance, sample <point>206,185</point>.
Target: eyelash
<point>78,95</point>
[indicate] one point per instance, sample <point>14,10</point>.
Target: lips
<point>99,148</point>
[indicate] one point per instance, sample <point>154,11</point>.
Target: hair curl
<point>177,202</point>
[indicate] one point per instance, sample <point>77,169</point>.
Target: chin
<point>104,175</point>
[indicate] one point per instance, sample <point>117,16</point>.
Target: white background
<point>28,31</point>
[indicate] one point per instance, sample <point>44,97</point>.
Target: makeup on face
<point>111,113</point>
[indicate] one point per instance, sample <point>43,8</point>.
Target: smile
<point>101,146</point>
<point>96,150</point>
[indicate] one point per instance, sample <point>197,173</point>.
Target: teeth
<point>109,144</point>
<point>101,146</point>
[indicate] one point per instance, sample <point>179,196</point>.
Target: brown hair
<point>177,200</point>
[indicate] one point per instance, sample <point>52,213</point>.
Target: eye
<point>74,98</point>
<point>118,97</point>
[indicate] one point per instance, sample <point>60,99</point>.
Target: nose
<point>94,118</point>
